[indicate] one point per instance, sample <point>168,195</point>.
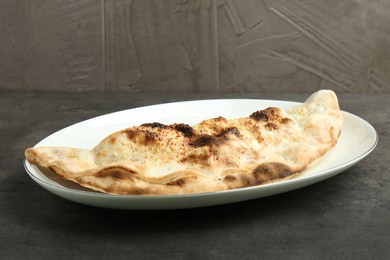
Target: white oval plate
<point>357,140</point>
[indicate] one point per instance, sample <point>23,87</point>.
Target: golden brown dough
<point>217,154</point>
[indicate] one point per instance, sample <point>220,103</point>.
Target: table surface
<point>344,217</point>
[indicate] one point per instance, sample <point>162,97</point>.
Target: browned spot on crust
<point>271,126</point>
<point>220,119</point>
<point>181,181</point>
<point>155,125</point>
<point>118,173</point>
<point>247,180</point>
<point>286,120</point>
<point>218,139</point>
<point>185,129</point>
<point>141,136</point>
<point>271,117</point>
<point>239,180</point>
<point>230,130</point>
<point>229,178</point>
<point>271,113</point>
<point>203,140</point>
<point>113,140</point>
<point>201,158</point>
<point>263,173</point>
<point>270,171</point>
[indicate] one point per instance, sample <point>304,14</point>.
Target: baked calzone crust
<point>216,154</point>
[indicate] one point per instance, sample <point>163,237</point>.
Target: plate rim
<point>314,175</point>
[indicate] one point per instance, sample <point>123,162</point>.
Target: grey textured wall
<point>195,45</point>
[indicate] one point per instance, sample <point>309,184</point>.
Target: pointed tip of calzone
<point>323,99</point>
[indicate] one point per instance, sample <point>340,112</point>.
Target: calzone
<point>217,154</point>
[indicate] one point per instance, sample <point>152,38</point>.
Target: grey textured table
<point>345,217</point>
